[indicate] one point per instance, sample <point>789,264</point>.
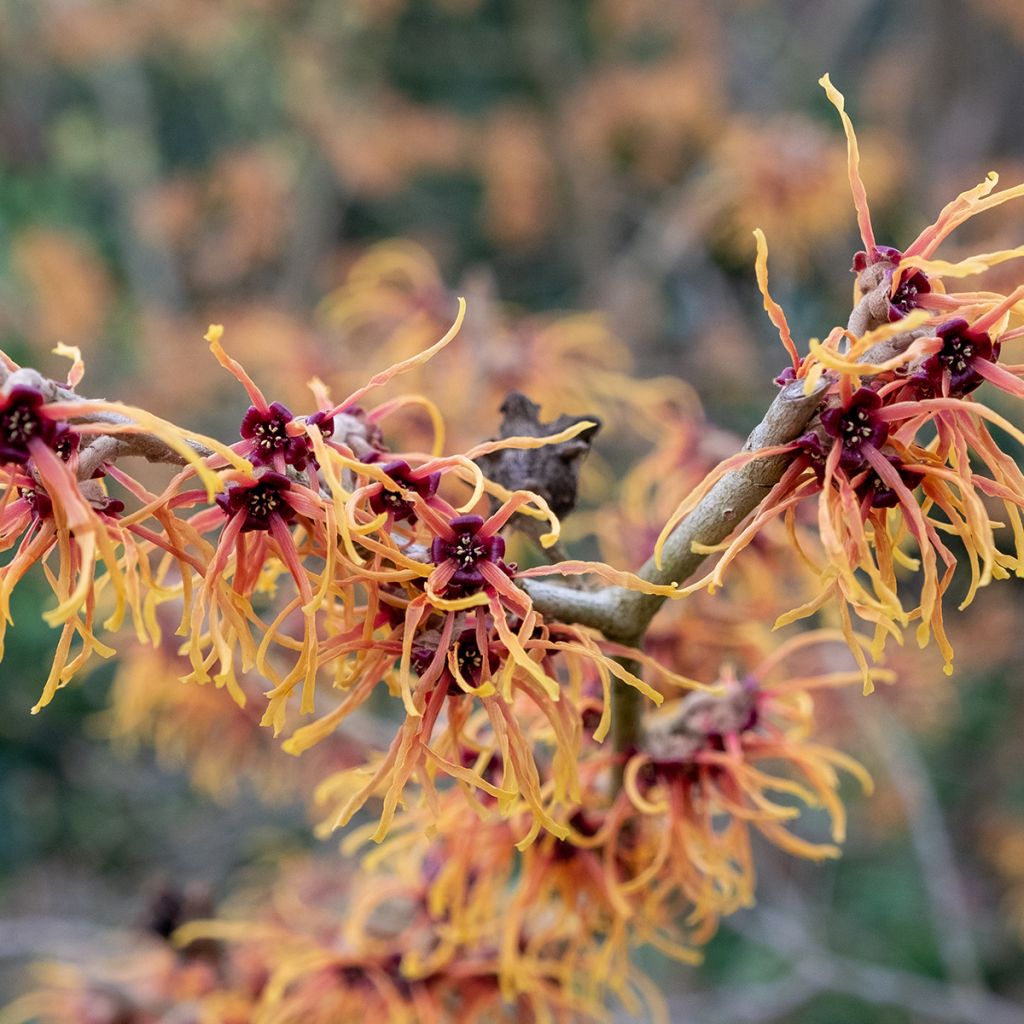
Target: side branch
<point>624,615</point>
<point>106,448</point>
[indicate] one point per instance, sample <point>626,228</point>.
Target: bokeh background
<point>168,163</point>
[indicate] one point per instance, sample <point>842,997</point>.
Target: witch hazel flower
<point>462,603</point>
<point>34,526</point>
<point>873,492</point>
<point>966,355</point>
<point>291,508</point>
<point>398,502</point>
<point>25,425</point>
<point>707,777</point>
<point>270,443</point>
<point>466,571</point>
<point>912,278</point>
<point>49,514</point>
<point>954,369</point>
<point>257,501</point>
<point>476,666</point>
<point>856,427</point>
<point>255,515</point>
<point>901,457</point>
<point>908,289</point>
<point>271,435</point>
<point>472,658</point>
<point>469,557</point>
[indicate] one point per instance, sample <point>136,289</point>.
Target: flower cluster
<point>324,564</point>
<point>432,927</point>
<point>901,456</point>
<point>709,774</point>
<point>394,571</point>
<point>56,511</point>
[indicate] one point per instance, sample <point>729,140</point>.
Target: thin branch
<point>106,448</point>
<point>952,924</point>
<point>874,984</point>
<point>624,615</point>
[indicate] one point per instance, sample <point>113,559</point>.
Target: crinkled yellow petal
<point>860,196</point>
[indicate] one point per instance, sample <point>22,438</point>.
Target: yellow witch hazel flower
<point>899,458</point>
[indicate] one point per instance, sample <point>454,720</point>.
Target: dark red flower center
<point>323,421</point>
<point>22,421</point>
<point>912,284</point>
<point>20,425</point>
<point>957,354</point>
<point>468,550</point>
<point>66,442</point>
<point>396,502</point>
<point>470,660</point>
<point>258,502</point>
<point>464,648</point>
<point>958,359</point>
<point>267,429</point>
<point>856,427</point>
<point>908,294</point>
<point>270,435</point>
<point>261,501</point>
<point>878,494</point>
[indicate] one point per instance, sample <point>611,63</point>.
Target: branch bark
<point>624,615</point>
<point>105,448</point>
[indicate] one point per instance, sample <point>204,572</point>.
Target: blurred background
<point>168,163</point>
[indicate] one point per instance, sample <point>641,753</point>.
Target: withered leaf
<point>551,471</point>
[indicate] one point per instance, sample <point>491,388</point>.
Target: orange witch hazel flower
<point>432,927</point>
<point>658,863</point>
<point>900,457</point>
<point>673,851</point>
<point>276,514</point>
<point>54,473</point>
<point>391,942</point>
<point>397,579</point>
<point>493,679</point>
<point>396,568</point>
<point>509,858</point>
<point>440,929</point>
